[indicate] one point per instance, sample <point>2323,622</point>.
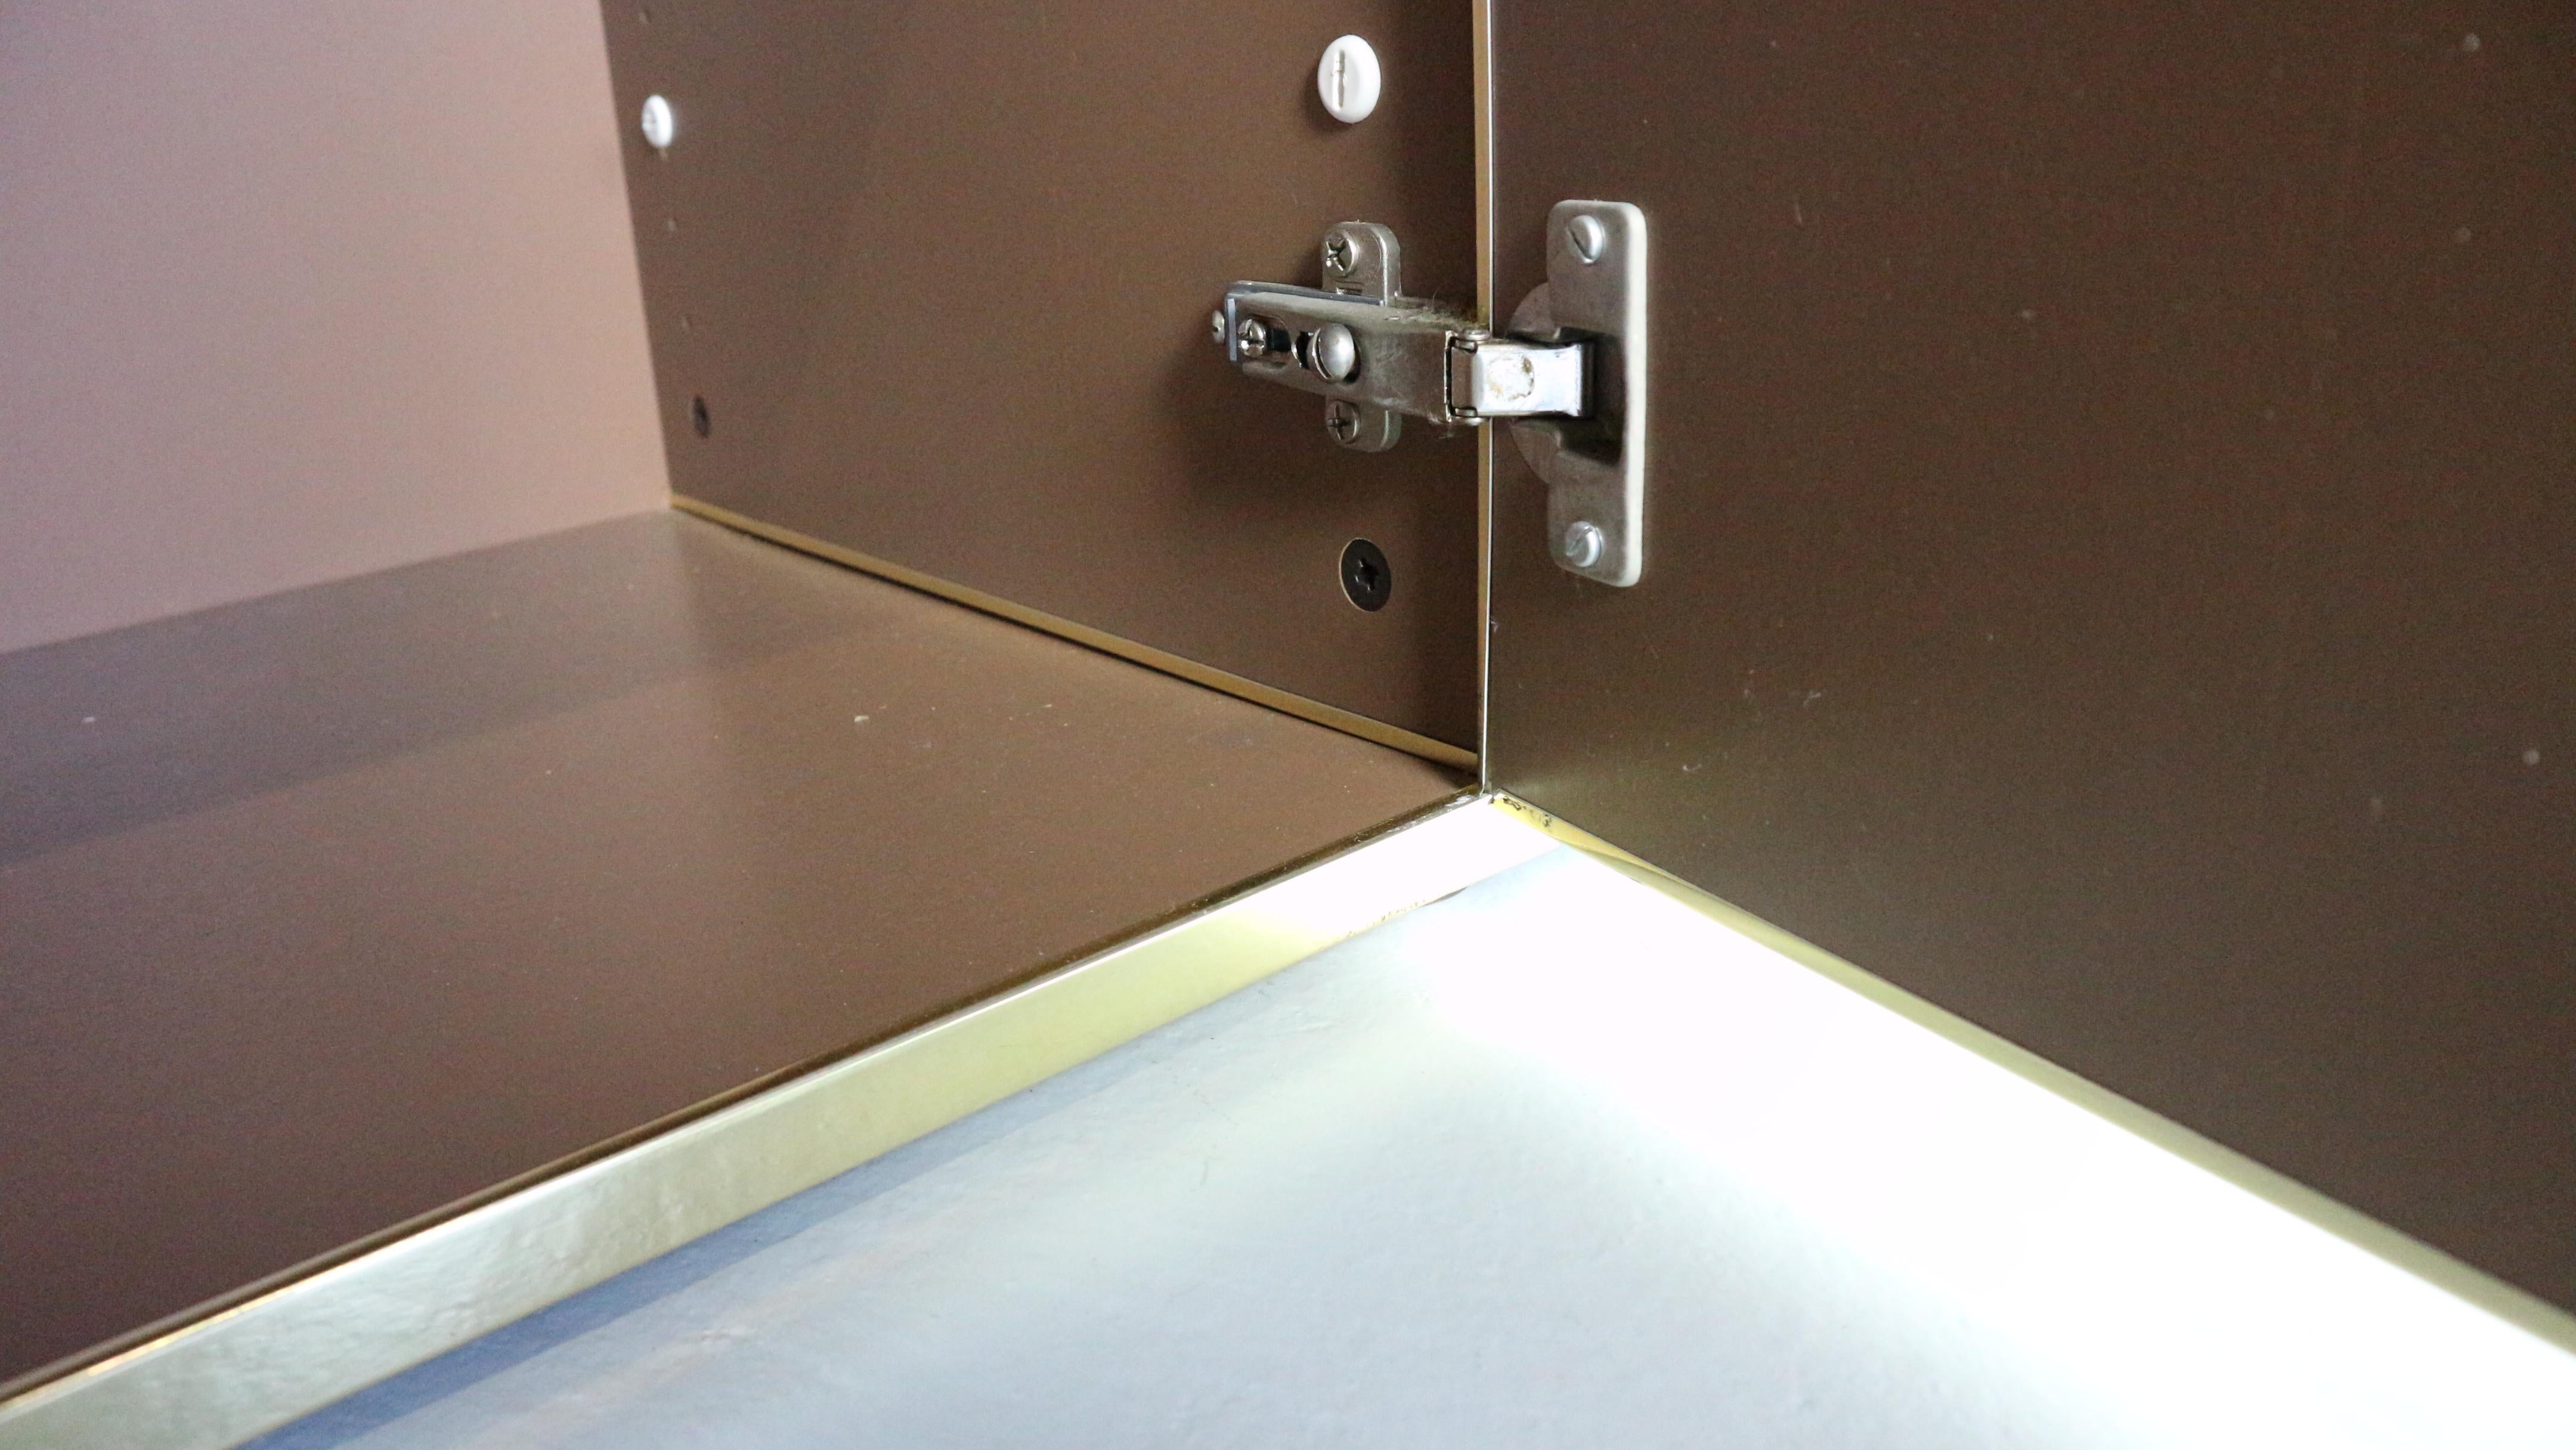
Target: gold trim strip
<point>2515,1306</point>
<point>1333,716</point>
<point>286,1353</point>
<point>1481,44</point>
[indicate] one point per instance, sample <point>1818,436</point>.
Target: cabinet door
<point>929,289</point>
<point>2110,553</point>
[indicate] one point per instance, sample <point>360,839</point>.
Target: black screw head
<point>698,418</point>
<point>1365,575</point>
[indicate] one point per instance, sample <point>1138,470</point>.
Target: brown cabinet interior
<point>459,812</point>
<point>2108,562</point>
<point>985,361</point>
<point>2112,564</point>
<point>334,912</point>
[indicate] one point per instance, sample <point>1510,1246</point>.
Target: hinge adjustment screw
<point>1586,236</point>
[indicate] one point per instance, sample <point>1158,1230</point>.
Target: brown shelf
<point>346,906</point>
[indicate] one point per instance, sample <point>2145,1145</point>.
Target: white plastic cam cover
<point>1347,79</point>
<point>659,124</point>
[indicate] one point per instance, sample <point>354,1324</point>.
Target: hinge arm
<point>1376,355</point>
<point>1571,371</point>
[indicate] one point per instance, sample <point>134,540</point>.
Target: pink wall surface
<point>290,292</point>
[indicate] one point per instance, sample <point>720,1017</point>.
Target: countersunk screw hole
<point>1366,577</point>
<point>698,418</point>
<point>1342,420</point>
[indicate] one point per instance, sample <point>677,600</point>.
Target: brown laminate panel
<point>326,910</point>
<point>293,292</point>
<point>941,275</point>
<point>2111,563</point>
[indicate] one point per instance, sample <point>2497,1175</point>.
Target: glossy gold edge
<point>1376,732</point>
<point>262,1363</point>
<point>2516,1306</point>
<point>217,1304</point>
<point>1480,30</point>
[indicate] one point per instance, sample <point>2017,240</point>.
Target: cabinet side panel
<point>2111,567</point>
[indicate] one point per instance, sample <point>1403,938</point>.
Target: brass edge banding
<point>1484,606</point>
<point>1481,46</point>
<point>1480,26</point>
<point>1376,732</point>
<point>265,1362</point>
<point>2515,1306</point>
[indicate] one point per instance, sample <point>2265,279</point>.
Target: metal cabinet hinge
<point>1569,374</point>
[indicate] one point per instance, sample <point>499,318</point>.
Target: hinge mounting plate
<point>1595,465</point>
<point>1570,374</point>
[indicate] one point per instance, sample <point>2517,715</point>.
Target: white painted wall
<point>291,292</point>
